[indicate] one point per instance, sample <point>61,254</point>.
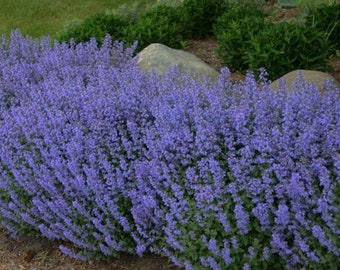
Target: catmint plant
<point>211,175</point>
<point>72,120</point>
<point>245,176</point>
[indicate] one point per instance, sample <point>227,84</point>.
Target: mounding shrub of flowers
<point>70,131</point>
<point>224,176</point>
<point>247,177</point>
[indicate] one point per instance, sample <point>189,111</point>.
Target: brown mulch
<point>34,253</point>
<point>206,50</point>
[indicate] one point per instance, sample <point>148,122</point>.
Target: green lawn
<point>49,17</point>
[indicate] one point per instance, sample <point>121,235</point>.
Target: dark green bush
<point>326,18</point>
<point>284,47</point>
<point>161,24</point>
<point>241,10</point>
<point>233,29</point>
<point>250,42</point>
<point>97,26</point>
<point>199,16</point>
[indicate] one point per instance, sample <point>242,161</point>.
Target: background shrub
<point>284,47</point>
<point>234,43</point>
<point>326,18</point>
<point>199,16</point>
<point>161,24</point>
<point>97,26</point>
<point>248,42</point>
<point>139,22</point>
<point>233,29</point>
<point>247,39</point>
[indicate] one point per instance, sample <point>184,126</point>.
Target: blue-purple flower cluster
<point>70,133</point>
<point>97,153</point>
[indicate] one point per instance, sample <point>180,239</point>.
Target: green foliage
<point>199,16</point>
<point>161,24</point>
<point>131,11</point>
<point>242,14</point>
<point>193,237</point>
<point>307,5</point>
<point>232,29</point>
<point>326,18</point>
<point>97,26</point>
<point>144,23</point>
<point>284,47</point>
<point>171,3</point>
<point>250,42</point>
<point>248,3</point>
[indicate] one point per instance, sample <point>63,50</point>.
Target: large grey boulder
<point>316,77</point>
<point>160,58</point>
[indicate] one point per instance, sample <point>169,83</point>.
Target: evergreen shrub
<point>99,154</point>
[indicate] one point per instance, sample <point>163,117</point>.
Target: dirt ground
<point>39,254</point>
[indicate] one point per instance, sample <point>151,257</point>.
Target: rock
<point>160,58</point>
<point>311,76</point>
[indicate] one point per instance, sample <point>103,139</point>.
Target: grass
<point>49,17</point>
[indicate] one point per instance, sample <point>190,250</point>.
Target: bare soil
<point>40,254</point>
<point>33,253</point>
